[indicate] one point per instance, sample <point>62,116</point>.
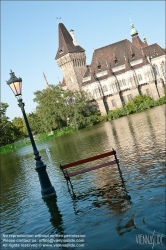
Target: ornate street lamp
<point>46,188</point>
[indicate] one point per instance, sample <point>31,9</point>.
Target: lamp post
<point>46,188</point>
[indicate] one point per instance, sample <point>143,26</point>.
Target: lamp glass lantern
<point>15,84</point>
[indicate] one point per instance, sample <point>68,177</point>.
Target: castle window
<point>105,88</point>
<point>155,53</point>
<point>99,66</point>
<point>123,99</point>
<point>116,60</point>
<point>133,55</point>
<point>124,82</point>
<point>113,103</point>
<point>139,77</point>
<point>61,50</point>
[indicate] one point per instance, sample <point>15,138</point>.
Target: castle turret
<point>70,58</point>
<point>136,41</point>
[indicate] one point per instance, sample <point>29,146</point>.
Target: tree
<point>58,108</point>
<point>6,128</point>
<point>19,125</point>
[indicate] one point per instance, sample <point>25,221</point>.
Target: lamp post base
<point>46,188</point>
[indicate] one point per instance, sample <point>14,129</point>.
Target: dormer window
<point>133,55</point>
<point>61,50</point>
<point>99,66</point>
<point>116,60</point>
<point>155,53</point>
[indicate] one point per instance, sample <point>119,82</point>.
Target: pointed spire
<point>133,31</point>
<point>66,44</point>
<point>47,85</point>
<point>145,41</point>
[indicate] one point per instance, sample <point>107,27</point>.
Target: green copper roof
<point>133,30</point>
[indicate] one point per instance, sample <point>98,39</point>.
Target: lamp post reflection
<point>56,217</point>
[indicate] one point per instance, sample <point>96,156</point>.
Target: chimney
<point>73,37</point>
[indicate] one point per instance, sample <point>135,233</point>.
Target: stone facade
<point>73,66</point>
<point>118,72</point>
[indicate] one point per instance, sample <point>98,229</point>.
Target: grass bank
<point>42,137</point>
<point>136,105</point>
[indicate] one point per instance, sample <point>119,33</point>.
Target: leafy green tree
<point>7,131</point>
<point>19,125</point>
<point>58,108</point>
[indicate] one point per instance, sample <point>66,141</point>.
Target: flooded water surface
<point>104,210</point>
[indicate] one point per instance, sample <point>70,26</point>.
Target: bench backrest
<point>93,158</point>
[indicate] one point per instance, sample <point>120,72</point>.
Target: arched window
<point>105,88</point>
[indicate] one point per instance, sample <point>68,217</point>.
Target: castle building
<point>118,72</point>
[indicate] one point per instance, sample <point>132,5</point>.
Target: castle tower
<point>70,58</point>
<point>136,41</point>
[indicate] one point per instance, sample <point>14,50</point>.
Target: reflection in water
<point>104,205</point>
<point>56,217</point>
<point>127,227</point>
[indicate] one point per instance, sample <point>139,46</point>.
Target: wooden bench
<point>93,158</point>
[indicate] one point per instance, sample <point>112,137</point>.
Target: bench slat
<point>92,168</point>
<point>93,158</point>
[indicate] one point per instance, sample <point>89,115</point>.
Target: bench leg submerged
<point>117,162</point>
<point>65,173</point>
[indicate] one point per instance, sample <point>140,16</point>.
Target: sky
<point>29,37</point>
